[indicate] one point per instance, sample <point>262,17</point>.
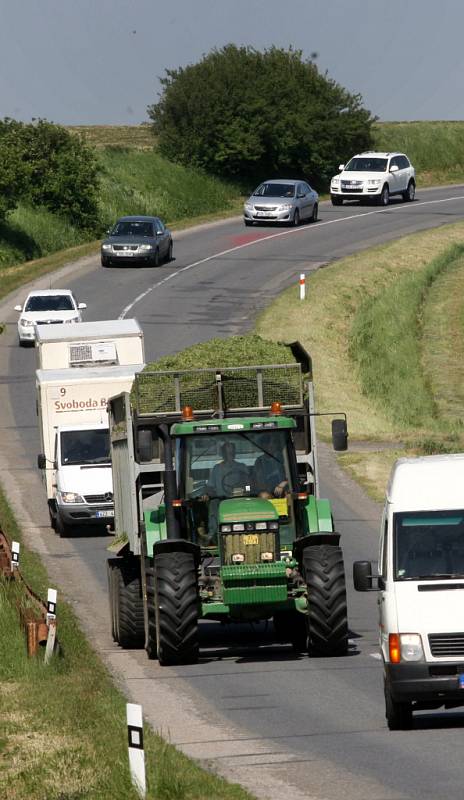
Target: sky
<point>89,62</point>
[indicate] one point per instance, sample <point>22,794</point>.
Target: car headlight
<point>26,322</point>
<point>285,206</point>
<point>374,182</point>
<point>411,647</point>
<point>73,319</point>
<point>71,497</point>
<point>248,206</point>
<point>335,181</point>
<point>146,247</point>
<point>107,246</point>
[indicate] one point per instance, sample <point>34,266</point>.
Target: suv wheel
<point>384,198</point>
<point>410,193</point>
<point>336,201</point>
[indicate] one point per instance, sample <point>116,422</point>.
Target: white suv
<point>377,175</point>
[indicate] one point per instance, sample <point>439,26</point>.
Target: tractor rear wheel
<point>111,568</point>
<point>151,645</point>
<point>128,622</point>
<point>176,604</point>
<point>327,616</point>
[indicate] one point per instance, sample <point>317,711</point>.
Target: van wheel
<point>60,527</point>
<point>399,715</point>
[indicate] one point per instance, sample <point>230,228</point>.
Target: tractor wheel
<point>128,619</point>
<point>176,604</point>
<point>151,645</point>
<point>399,715</point>
<point>290,626</point>
<point>327,617</point>
<point>110,567</point>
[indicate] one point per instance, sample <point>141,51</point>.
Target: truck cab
<point>420,581</point>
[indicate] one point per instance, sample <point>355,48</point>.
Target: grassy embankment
<point>63,733</point>
<point>136,179</point>
<point>385,330</point>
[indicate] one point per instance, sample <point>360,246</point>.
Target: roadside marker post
<point>135,744</point>
<point>15,546</point>
<point>302,286</point>
<point>51,623</point>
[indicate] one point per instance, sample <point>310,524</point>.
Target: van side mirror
<point>339,435</point>
<point>365,577</point>
<point>145,445</point>
<point>41,461</point>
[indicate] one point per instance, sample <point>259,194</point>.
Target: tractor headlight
<point>261,526</point>
<point>238,527</point>
<point>226,528</point>
<point>238,558</point>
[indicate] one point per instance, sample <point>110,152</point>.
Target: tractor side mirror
<point>365,577</point>
<point>41,461</point>
<point>339,435</point>
<point>145,445</point>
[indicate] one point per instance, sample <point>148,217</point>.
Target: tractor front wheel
<point>176,605</point>
<point>327,615</point>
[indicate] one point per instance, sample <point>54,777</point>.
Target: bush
<point>243,113</point>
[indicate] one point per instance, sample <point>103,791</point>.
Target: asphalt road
<point>250,708</point>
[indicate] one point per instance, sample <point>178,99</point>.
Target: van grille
<point>99,498</point>
<point>444,645</point>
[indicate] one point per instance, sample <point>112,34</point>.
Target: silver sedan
<point>286,201</point>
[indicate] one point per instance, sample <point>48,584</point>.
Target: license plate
<point>125,253</point>
<point>251,538</point>
<point>261,213</point>
<point>104,513</point>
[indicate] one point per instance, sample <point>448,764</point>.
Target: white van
<point>420,581</point>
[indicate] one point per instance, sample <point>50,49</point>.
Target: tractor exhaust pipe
<point>170,485</point>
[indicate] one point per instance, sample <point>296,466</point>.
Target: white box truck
<point>75,449</point>
<point>110,342</point>
<point>420,580</point>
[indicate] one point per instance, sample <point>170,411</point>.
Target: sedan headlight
<point>107,246</point>
<point>26,322</point>
<point>146,247</point>
<point>374,182</point>
<point>71,497</point>
<point>285,206</point>
<point>248,206</point>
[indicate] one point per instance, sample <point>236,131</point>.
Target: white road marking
<point>290,232</point>
<point>377,656</point>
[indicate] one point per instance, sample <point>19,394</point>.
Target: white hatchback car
<point>46,307</point>
<point>374,175</point>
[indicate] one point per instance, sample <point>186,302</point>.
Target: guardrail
<point>37,617</point>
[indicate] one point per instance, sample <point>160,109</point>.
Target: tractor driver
<point>228,475</point>
<point>269,479</point>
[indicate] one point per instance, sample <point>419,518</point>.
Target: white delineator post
<point>136,751</point>
<point>51,622</point>
<point>302,286</point>
<point>14,555</point>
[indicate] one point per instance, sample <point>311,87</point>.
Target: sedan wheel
<point>156,259</point>
<point>169,253</point>
<point>314,215</point>
<point>105,262</point>
<point>296,218</point>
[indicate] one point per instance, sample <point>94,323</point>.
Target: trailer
<point>110,342</point>
<point>218,511</point>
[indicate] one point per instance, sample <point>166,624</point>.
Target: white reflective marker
<point>302,286</point>
<point>135,743</point>
<point>15,546</point>
<point>51,622</point>
<point>51,604</point>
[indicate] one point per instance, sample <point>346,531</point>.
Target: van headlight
<point>71,497</point>
<point>411,647</point>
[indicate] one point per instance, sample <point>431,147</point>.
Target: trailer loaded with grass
<point>217,509</point>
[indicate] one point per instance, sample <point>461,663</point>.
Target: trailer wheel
<point>151,645</point>
<point>176,595</point>
<point>128,622</point>
<point>399,715</point>
<point>327,617</point>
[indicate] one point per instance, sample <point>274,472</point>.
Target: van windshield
<point>85,447</point>
<point>429,544</point>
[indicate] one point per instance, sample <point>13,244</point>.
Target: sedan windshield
<point>50,302</point>
<point>429,545</point>
<point>275,190</point>
<point>367,165</point>
<point>134,228</point>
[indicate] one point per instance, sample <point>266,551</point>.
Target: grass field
<point>385,330</point>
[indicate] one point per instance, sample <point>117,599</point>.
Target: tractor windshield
<point>246,464</point>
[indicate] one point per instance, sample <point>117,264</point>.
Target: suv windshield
<point>144,229</point>
<point>249,464</point>
<point>275,190</point>
<point>85,447</point>
<point>428,545</point>
<point>50,303</point>
<point>366,164</point>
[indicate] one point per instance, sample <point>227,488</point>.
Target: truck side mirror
<point>339,434</point>
<point>365,578</point>
<point>145,444</point>
<point>41,461</point>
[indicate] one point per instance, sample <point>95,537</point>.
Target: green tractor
<point>217,510</point>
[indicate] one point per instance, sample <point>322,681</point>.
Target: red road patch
<point>245,238</point>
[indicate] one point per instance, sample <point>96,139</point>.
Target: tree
<point>243,113</point>
<point>48,166</point>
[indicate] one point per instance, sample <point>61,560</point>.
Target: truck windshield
<point>429,544</point>
<point>85,447</point>
<point>248,464</point>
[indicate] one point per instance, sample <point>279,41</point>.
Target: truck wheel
<point>151,645</point>
<point>327,618</point>
<point>128,614</point>
<point>176,596</point>
<point>399,715</point>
